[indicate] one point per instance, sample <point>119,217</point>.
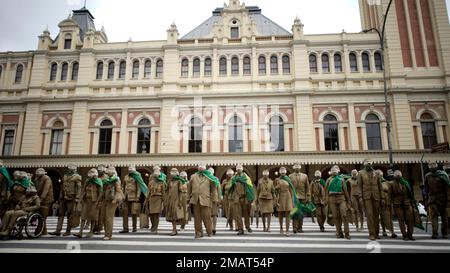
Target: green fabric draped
<point>335,185</point>
<point>440,174</point>
<point>96,181</point>
<point>410,192</point>
<point>246,181</point>
<point>162,178</point>
<point>111,180</point>
<point>211,177</point>
<point>4,172</point>
<point>138,179</point>
<point>300,209</point>
<point>322,182</point>
<point>181,179</point>
<point>24,182</point>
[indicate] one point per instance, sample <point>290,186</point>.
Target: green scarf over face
<point>96,181</point>
<point>162,178</point>
<point>440,174</point>
<point>245,180</point>
<point>138,179</point>
<point>181,179</point>
<point>335,185</point>
<point>111,180</point>
<point>4,172</point>
<point>24,182</point>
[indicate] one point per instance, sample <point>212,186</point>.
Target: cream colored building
<point>237,89</point>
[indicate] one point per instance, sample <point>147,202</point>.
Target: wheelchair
<point>32,224</point>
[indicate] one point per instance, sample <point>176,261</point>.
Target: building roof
<point>84,19</point>
<point>264,25</point>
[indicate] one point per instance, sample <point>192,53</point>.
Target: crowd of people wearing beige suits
<point>364,196</point>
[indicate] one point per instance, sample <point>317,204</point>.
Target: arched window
<point>105,137</point>
<point>373,132</point>
<point>56,143</point>
<point>53,71</point>
<point>276,128</point>
<point>235,133</point>
<point>353,62</point>
<point>184,68</point>
<point>75,67</point>
<point>337,62</point>
<point>428,124</point>
<point>99,75</point>
<point>313,63</point>
<point>147,69</point>
<point>19,74</point>
<point>195,135</point>
<point>159,68</point>
<point>274,65</point>
<point>64,71</point>
<point>365,62</point>
<point>223,66</point>
<point>122,69</point>
<point>144,135</point>
<point>135,73</point>
<point>208,67</point>
<point>234,66</point>
<point>247,66</point>
<point>325,63</point>
<point>378,61</point>
<point>286,64</point>
<point>111,67</point>
<point>196,67</point>
<point>262,65</point>
<point>331,135</point>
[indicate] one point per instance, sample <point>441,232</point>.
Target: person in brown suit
<point>18,189</point>
<point>200,191</point>
<point>131,205</point>
<point>69,198</point>
<point>112,197</point>
<point>216,202</point>
<point>91,194</point>
<point>101,169</point>
<point>386,210</point>
<point>318,198</point>
<point>5,182</point>
<point>301,185</point>
<point>339,201</point>
<point>370,187</point>
<point>357,203</point>
<point>185,200</point>
<point>436,186</point>
<point>240,201</point>
<point>156,195</point>
<point>285,199</point>
<point>44,187</point>
<point>265,193</point>
<point>173,201</point>
<point>31,203</point>
<point>227,203</point>
<point>402,198</point>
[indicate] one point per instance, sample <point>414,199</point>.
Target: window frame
<point>53,72</point>
<point>280,125</point>
<point>313,68</point>
<point>331,133</point>
<point>235,135</point>
<point>195,130</point>
<point>354,67</point>
<point>365,59</point>
<point>374,141</point>
<point>56,150</point>
<point>247,66</point>
<point>196,68</point>
<point>75,70</point>
<point>105,145</point>
<point>19,74</point>
<point>262,65</point>
<point>99,72</point>
<point>286,65</point>
<point>147,69</point>
<point>135,70</point>
<point>338,63</point>
<point>235,66</point>
<point>159,68</point>
<point>64,71</point>
<point>122,70</point>
<point>142,130</point>
<point>208,67</point>
<point>111,70</point>
<point>325,63</point>
<point>9,143</point>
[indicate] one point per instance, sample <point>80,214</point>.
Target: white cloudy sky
<point>21,21</point>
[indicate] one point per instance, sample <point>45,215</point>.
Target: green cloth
<point>4,172</point>
<point>246,181</point>
<point>162,178</point>
<point>96,181</point>
<point>211,177</point>
<point>335,185</point>
<point>440,174</point>
<point>138,179</point>
<point>410,192</point>
<point>322,182</point>
<point>299,209</point>
<point>181,179</point>
<point>111,180</point>
<point>24,182</point>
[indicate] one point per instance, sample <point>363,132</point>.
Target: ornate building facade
<point>237,89</point>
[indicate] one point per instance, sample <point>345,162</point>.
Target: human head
<point>398,174</point>
<point>230,173</point>
<point>131,169</point>
<point>335,170</point>
<point>184,175</point>
<point>354,173</point>
<point>201,167</point>
<point>101,169</point>
<point>211,170</point>
<point>93,173</point>
<point>266,173</point>
<point>239,168</point>
<point>368,164</point>
<point>111,171</point>
<point>16,175</point>
<point>40,172</point>
<point>283,171</point>
<point>433,166</point>
<point>318,174</point>
<point>156,171</point>
<point>379,173</point>
<point>297,167</point>
<point>174,172</point>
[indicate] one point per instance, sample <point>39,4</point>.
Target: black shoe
<point>134,230</point>
<point>250,230</point>
<point>405,238</point>
<point>394,235</point>
<point>124,231</point>
<point>300,230</point>
<point>56,233</point>
<point>322,229</point>
<point>340,236</point>
<point>241,232</point>
<point>214,232</point>
<point>411,238</point>
<point>385,234</point>
<point>295,231</point>
<point>434,236</point>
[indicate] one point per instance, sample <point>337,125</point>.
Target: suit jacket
<point>370,185</point>
<point>300,182</point>
<point>44,188</point>
<point>201,190</point>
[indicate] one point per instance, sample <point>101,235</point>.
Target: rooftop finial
<point>84,4</point>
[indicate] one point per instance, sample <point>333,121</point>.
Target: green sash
<point>440,174</point>
<point>138,179</point>
<point>245,180</point>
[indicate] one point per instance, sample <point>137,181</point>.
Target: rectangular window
<point>143,145</point>
<point>104,143</point>
<point>331,137</point>
<point>56,142</point>
<point>8,142</point>
<point>67,43</point>
<point>234,33</point>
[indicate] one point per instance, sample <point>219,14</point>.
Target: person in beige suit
<point>156,195</point>
<point>318,198</point>
<point>370,188</point>
<point>357,202</point>
<point>44,187</point>
<point>228,209</point>
<point>285,199</point>
<point>185,200</point>
<point>216,202</point>
<point>112,197</point>
<point>200,191</point>
<point>265,196</point>
<point>301,184</point>
<point>131,205</point>
<point>240,202</point>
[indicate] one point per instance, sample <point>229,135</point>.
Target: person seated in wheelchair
<point>30,204</point>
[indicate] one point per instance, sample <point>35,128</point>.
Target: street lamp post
<point>382,36</point>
